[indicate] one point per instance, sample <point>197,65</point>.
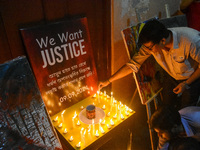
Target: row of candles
<point>114,107</point>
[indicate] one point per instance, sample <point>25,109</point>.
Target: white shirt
<point>181,60</point>
<point>190,118</point>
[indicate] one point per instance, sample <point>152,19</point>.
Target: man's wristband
<point>109,81</point>
<point>186,85</point>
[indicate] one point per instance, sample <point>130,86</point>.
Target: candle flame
<point>63,112</point>
<point>108,126</point>
<point>74,115</point>
<point>84,132</point>
<point>65,131</point>
<point>127,113</point>
<point>89,131</point>
<point>82,129</point>
<point>71,138</point>
<point>101,129</point>
<point>78,145</point>
<point>95,95</point>
<point>56,119</point>
<point>115,116</point>
<point>60,125</point>
<point>97,133</point>
<point>122,117</point>
<point>111,122</point>
<point>78,123</point>
<point>104,93</point>
<point>130,110</point>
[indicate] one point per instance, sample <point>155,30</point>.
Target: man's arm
<point>132,66</point>
<point>182,86</point>
<point>122,72</point>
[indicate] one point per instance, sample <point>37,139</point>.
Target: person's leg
<point>169,97</point>
<point>190,96</point>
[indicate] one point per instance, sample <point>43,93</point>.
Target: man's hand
<point>180,88</point>
<point>103,84</point>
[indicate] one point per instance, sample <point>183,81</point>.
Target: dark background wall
<point>15,14</point>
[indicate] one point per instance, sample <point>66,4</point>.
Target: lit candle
<point>65,131</point>
<point>108,96</point>
<point>116,108</point>
<point>126,108</point>
<point>60,125</point>
<point>130,110</point>
<point>63,116</point>
<point>111,122</point>
<point>95,95</point>
<point>56,119</point>
<point>73,123</point>
<point>99,124</point>
<point>126,112</point>
<point>89,126</point>
<point>89,130</point>
<point>103,122</point>
<point>102,131</point>
<point>78,145</point>
<point>119,108</point>
<point>105,93</point>
<point>78,123</point>
<point>81,133</point>
<point>104,107</point>
<point>71,139</point>
<point>84,136</point>
<point>115,116</point>
<point>121,105</point>
<point>108,114</point>
<point>93,126</point>
<point>98,97</point>
<point>122,117</point>
<point>108,126</point>
<point>111,99</point>
<point>97,133</point>
<point>81,107</point>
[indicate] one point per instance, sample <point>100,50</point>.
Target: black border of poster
<point>62,60</point>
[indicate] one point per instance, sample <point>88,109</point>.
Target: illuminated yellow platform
<point>81,135</point>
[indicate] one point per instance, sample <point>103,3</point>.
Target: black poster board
<point>62,60</point>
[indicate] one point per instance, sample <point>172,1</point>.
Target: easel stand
<point>152,105</point>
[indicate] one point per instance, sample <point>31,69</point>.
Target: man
<point>170,124</point>
<point>177,51</point>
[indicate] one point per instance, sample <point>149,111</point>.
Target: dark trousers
<point>188,98</point>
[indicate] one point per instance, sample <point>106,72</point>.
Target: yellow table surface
<point>114,108</point>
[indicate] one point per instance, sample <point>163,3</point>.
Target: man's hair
<point>165,118</point>
<point>153,31</point>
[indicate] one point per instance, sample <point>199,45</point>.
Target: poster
<point>24,121</point>
<point>149,78</point>
<point>62,60</point>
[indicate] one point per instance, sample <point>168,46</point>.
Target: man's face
<point>164,134</point>
<point>152,47</point>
